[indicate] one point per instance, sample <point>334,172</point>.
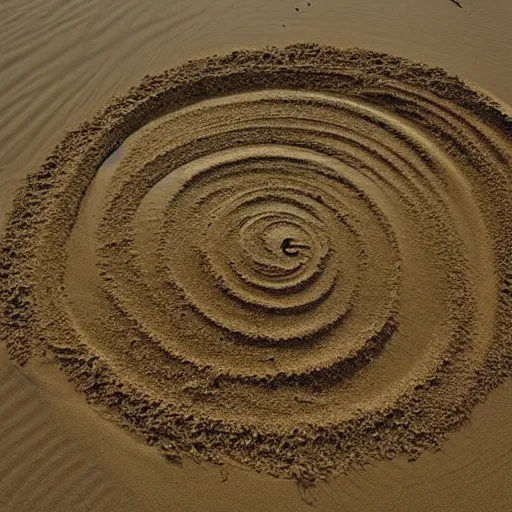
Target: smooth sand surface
<point>397,388</point>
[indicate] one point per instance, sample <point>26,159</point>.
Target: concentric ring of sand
<point>301,259</point>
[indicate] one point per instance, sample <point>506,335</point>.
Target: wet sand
<point>129,289</point>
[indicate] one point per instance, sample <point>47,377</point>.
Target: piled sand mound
<point>299,259</point>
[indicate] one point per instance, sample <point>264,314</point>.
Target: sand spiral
<point>297,258</point>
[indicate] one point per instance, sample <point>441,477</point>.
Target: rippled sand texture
<point>61,474</point>
<point>299,259</point>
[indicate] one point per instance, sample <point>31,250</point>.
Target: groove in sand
<point>157,278</point>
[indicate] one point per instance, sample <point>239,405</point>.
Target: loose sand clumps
<point>299,258</point>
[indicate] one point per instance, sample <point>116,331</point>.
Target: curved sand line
<point>299,258</point>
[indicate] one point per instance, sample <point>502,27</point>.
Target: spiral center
<point>283,238</point>
<point>292,247</point>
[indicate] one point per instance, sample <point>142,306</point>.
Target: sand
<point>295,260</point>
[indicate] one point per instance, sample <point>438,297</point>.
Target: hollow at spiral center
<point>293,247</point>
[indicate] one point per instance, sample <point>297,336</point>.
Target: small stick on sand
<point>457,3</point>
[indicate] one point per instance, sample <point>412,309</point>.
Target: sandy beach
<point>256,256</point>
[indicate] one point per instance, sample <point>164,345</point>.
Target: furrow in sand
<point>297,258</point>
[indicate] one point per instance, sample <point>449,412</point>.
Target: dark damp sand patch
<point>439,148</point>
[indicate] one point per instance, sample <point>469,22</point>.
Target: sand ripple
<point>299,259</point>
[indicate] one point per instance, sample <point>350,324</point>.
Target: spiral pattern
<point>297,258</point>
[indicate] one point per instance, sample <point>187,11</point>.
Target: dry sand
<point>355,309</point>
